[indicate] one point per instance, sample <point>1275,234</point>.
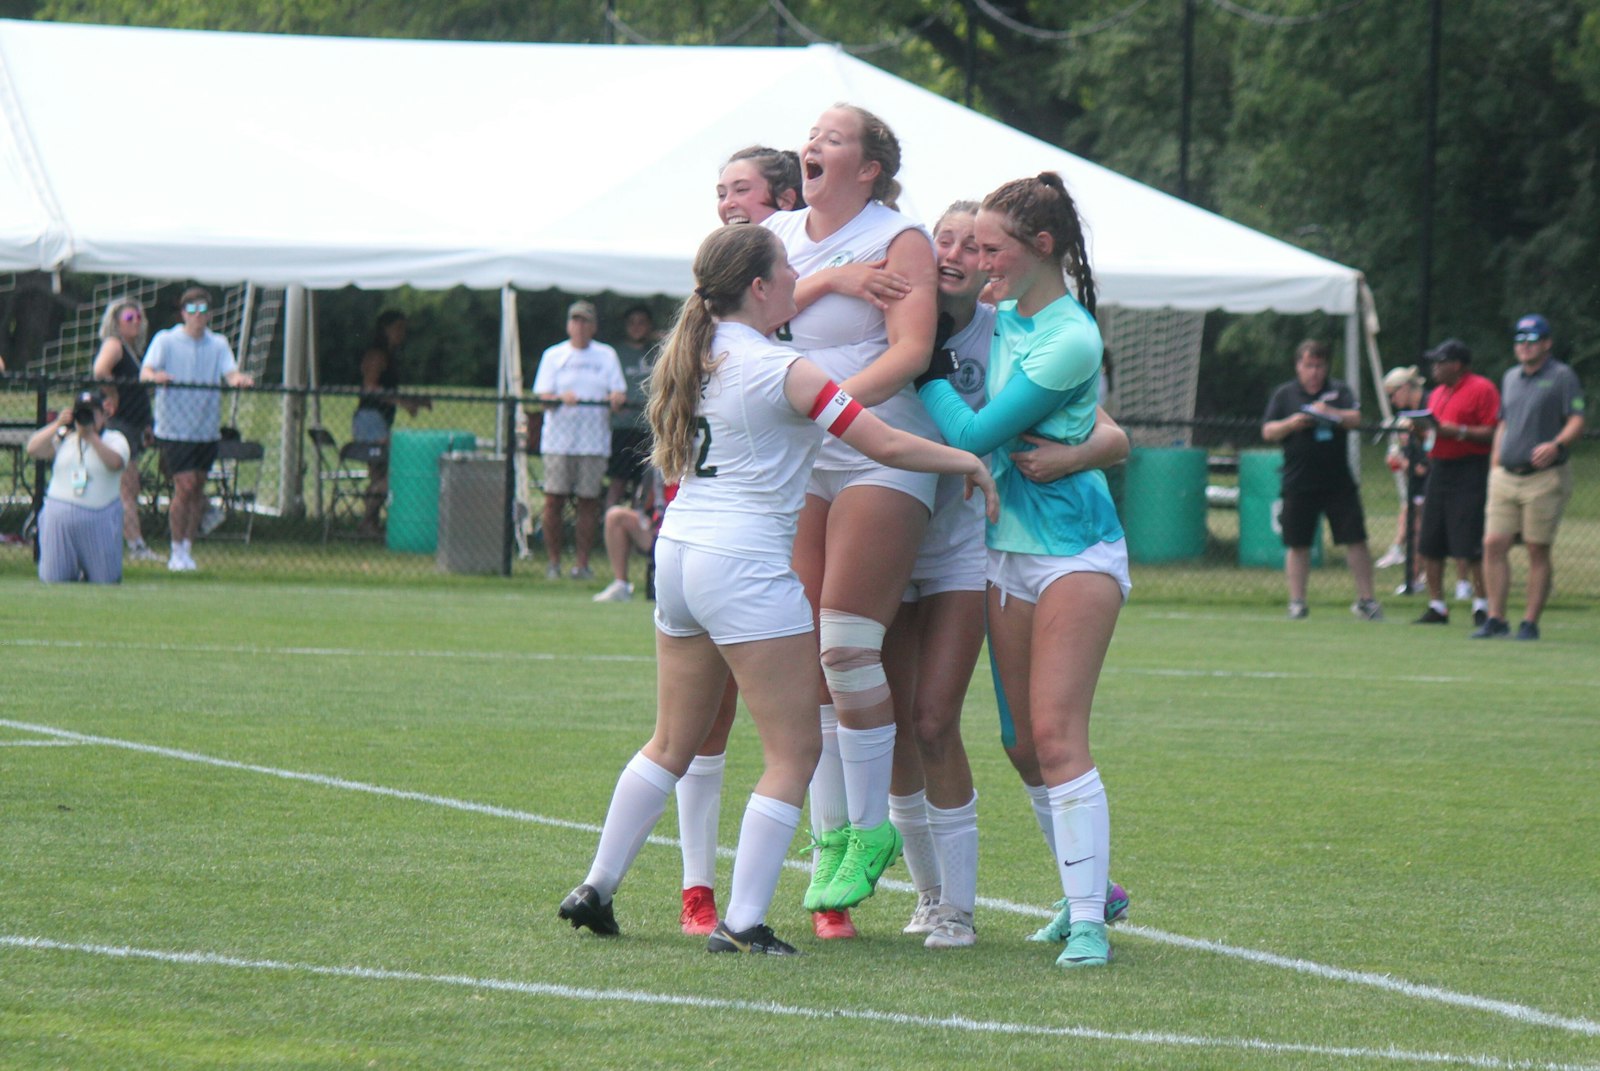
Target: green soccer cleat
<point>1086,946</point>
<point>832,845</point>
<point>870,853</point>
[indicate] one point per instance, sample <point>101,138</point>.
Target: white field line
<point>951,1023</point>
<point>39,743</point>
<point>546,656</point>
<point>1518,1012</point>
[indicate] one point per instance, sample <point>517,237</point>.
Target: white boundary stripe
<point>1519,1012</point>
<point>39,743</point>
<point>635,996</point>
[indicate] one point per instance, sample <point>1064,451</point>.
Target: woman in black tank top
<point>124,330</point>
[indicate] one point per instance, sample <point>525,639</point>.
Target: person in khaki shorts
<point>1541,417</point>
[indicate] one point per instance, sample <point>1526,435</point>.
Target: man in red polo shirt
<point>1464,408</point>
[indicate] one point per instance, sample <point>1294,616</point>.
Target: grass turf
<point>1380,799</point>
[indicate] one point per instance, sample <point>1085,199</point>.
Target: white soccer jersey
<point>842,334</point>
<point>752,454</point>
<point>954,519</point>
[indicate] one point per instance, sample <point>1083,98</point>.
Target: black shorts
<point>178,456</point>
<point>630,452</point>
<point>135,436</point>
<point>1452,514</point>
<point>1341,505</point>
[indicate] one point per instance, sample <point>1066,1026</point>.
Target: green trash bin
<point>414,486</point>
<point>1261,509</point>
<point>1164,503</point>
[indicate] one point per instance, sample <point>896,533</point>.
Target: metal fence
<point>292,495</point>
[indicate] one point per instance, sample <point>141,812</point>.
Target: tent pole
<point>291,498</point>
<point>511,389</point>
<point>1352,371</point>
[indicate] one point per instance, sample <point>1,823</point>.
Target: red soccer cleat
<point>699,915</point>
<point>832,925</point>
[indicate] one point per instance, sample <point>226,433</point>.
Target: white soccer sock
<point>699,806</point>
<point>1039,796</point>
<point>764,838</point>
<point>910,816</point>
<point>868,758</point>
<point>955,835</point>
<point>636,805</point>
<point>829,810</point>
<point>1083,844</point>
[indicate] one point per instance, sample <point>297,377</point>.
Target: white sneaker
<point>179,564</point>
<point>141,552</point>
<point>925,918</point>
<point>1392,557</point>
<point>616,591</point>
<point>954,929</point>
<point>1463,590</point>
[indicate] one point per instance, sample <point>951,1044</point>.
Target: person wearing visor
<point>1541,419</point>
<point>80,526</point>
<point>189,420</point>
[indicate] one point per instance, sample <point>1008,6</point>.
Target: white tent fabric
<point>325,161</point>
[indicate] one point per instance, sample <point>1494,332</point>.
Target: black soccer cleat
<point>758,940</point>
<point>582,907</point>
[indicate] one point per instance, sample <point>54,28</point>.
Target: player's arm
<point>910,322</point>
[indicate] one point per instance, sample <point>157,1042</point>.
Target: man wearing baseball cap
<point>1541,418</point>
<point>1464,407</point>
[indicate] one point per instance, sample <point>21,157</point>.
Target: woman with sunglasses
<point>732,416</point>
<point>1057,563</point>
<point>123,334</point>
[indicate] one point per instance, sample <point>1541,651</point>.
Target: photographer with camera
<point>80,526</point>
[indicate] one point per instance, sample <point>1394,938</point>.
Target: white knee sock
<point>868,758</point>
<point>910,816</point>
<point>764,838</point>
<point>1083,844</point>
<point>829,810</point>
<point>636,805</point>
<point>955,835</point>
<point>1039,796</point>
<point>699,807</point>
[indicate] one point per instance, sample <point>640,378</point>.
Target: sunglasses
<point>195,308</point>
<point>131,317</point>
<point>1524,336</point>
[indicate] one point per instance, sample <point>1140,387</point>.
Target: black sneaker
<point>1527,631</point>
<point>582,907</point>
<point>1430,616</point>
<point>1492,629</point>
<point>1479,616</point>
<point>757,940</point>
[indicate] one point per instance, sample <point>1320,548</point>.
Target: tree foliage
<point>1311,131</point>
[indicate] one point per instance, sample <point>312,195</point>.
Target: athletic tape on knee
<point>852,659</point>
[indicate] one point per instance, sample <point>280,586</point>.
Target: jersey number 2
<point>700,466</point>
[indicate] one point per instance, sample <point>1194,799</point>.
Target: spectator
<point>80,526</point>
<point>630,433</point>
<point>1541,418</point>
<point>124,330</point>
<point>1312,416</point>
<point>575,379</point>
<point>1463,410</point>
<point>373,420</point>
<point>188,422</point>
<point>631,528</point>
<point>1407,458</point>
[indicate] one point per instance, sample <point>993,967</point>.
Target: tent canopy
<point>327,161</point>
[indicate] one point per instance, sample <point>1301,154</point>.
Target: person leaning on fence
<point>1462,410</point>
<point>80,526</point>
<point>630,433</point>
<point>124,331</point>
<point>1541,419</point>
<point>576,379</point>
<point>1312,416</point>
<point>188,422</point>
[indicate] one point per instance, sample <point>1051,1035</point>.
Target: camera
<point>83,414</point>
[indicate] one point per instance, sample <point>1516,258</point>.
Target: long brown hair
<point>879,144</point>
<point>1042,203</point>
<point>781,169</point>
<point>728,261</point>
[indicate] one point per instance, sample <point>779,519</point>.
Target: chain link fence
<point>294,494</point>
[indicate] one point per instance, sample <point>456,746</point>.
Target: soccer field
<point>272,825</point>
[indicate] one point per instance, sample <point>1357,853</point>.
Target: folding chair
<point>344,475</point>
<point>234,480</point>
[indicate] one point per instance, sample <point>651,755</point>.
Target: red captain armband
<point>669,492</point>
<point>834,410</point>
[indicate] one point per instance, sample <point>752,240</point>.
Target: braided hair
<point>1042,203</point>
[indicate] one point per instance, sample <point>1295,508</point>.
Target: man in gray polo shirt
<point>188,421</point>
<point>1541,418</point>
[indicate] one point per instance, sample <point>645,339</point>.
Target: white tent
<point>323,161</point>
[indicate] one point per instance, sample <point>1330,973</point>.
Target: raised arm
<point>910,322</point>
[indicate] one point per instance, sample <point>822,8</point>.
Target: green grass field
<point>253,825</point>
